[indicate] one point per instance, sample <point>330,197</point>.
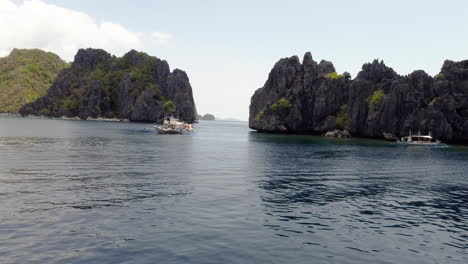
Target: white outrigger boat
<point>173,125</point>
<point>427,140</point>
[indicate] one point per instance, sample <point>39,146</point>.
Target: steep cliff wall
<point>311,97</point>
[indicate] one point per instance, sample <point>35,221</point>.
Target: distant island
<point>98,85</point>
<point>311,97</point>
<point>25,75</point>
<point>206,117</point>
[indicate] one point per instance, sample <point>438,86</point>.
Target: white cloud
<point>35,24</point>
<point>161,37</point>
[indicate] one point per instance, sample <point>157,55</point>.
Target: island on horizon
<point>208,117</point>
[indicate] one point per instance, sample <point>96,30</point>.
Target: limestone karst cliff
<point>310,97</point>
<point>133,87</point>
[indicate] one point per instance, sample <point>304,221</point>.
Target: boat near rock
<point>173,125</point>
<point>424,140</point>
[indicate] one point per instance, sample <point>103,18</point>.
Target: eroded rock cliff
<point>133,87</point>
<point>311,97</point>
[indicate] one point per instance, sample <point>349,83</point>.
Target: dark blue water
<point>97,192</point>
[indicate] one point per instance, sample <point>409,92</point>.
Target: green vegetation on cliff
<point>25,75</point>
<point>431,103</point>
<point>373,99</point>
<point>259,116</point>
<point>169,107</point>
<point>282,104</point>
<point>334,76</point>
<point>343,121</point>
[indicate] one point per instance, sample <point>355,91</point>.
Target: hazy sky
<point>228,47</point>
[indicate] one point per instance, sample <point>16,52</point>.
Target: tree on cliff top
<point>169,107</point>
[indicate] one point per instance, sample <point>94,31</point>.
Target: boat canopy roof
<point>418,136</point>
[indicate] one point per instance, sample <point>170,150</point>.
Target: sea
<point>114,192</point>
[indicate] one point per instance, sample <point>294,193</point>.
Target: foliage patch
<point>282,104</point>
<point>343,121</point>
<point>25,75</point>
<point>169,107</point>
<point>431,103</point>
<point>259,115</point>
<point>373,99</point>
<point>333,76</point>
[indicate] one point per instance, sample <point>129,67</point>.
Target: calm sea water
<point>99,192</point>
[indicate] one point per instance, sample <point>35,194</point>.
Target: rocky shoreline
<point>102,119</point>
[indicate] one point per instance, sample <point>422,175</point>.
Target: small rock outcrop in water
<point>338,134</point>
<point>312,98</point>
<point>206,117</point>
<point>133,87</point>
<point>390,137</point>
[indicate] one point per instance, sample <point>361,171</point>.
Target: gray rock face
<point>90,58</point>
<point>377,101</point>
<point>133,87</point>
<point>325,67</point>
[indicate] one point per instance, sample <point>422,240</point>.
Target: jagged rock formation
<point>206,117</point>
<point>25,75</point>
<point>133,87</point>
<point>312,98</point>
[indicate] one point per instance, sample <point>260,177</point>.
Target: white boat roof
<point>419,136</point>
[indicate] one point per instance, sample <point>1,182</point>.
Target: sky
<point>228,48</point>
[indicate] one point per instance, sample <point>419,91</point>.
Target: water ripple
<point>99,192</point>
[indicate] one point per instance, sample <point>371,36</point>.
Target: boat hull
<point>169,131</point>
<point>421,143</point>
